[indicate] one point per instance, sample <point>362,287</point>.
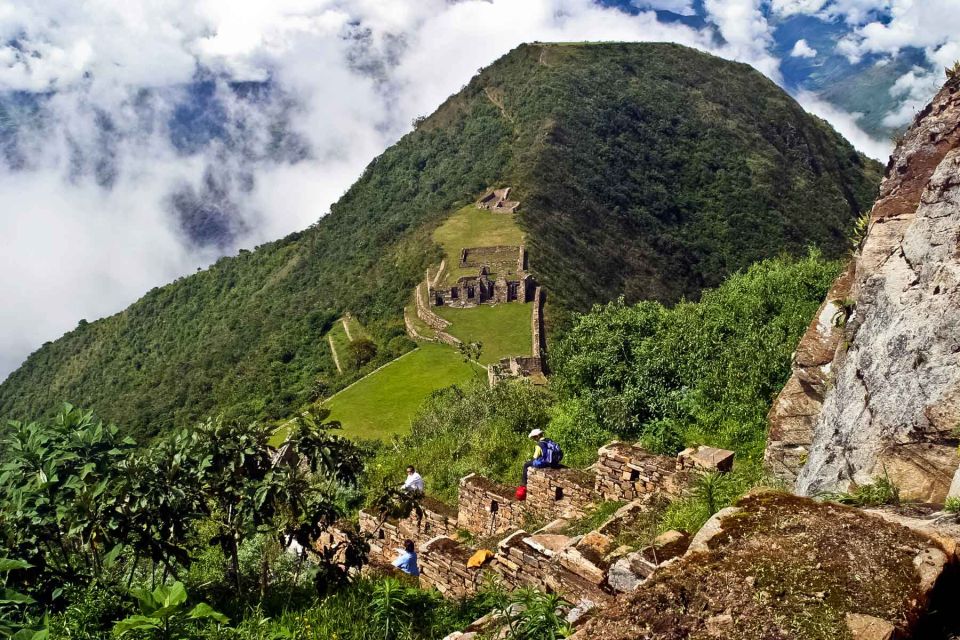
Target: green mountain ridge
<point>644,170</point>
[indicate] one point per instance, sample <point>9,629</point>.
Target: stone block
<point>863,627</point>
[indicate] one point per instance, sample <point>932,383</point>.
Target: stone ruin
<point>578,567</point>
<point>497,202</point>
<point>532,366</point>
<point>501,277</point>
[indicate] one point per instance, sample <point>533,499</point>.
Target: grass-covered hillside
<point>647,170</point>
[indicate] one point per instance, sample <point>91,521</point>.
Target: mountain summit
<point>644,170</point>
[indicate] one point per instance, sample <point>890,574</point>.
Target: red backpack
<point>521,493</point>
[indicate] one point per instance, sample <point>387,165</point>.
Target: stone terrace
<point>577,567</point>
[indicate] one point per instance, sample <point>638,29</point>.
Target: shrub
<point>362,351</point>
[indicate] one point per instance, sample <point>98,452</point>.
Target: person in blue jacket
<point>407,561</point>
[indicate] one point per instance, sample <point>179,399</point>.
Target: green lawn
<point>503,329</point>
<point>472,227</point>
<point>383,403</point>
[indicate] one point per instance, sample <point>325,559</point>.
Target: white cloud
<point>793,7</point>
<point>803,50</point>
<point>746,31</point>
<point>88,211</point>
<point>681,7</point>
<point>846,124</point>
<point>906,23</point>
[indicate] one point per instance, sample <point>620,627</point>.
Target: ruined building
<point>497,202</point>
<point>501,277</point>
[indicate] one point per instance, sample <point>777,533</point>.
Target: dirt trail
<point>346,327</point>
<point>333,349</point>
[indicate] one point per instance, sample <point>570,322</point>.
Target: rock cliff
<point>876,383</point>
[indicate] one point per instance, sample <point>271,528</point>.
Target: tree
<point>362,351</point>
<point>61,496</point>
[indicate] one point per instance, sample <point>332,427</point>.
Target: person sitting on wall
<point>414,481</point>
<point>407,561</point>
<point>546,456</point>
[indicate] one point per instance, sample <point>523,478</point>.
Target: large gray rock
<point>892,400</point>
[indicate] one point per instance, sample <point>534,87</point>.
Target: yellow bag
<point>479,559</point>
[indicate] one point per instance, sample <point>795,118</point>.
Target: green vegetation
<point>383,403</point>
<point>952,505</point>
<point>697,373</point>
<point>701,372</point>
<point>874,494</point>
<point>468,429</point>
<point>472,227</point>
<point>645,170</point>
<point>503,330</point>
<point>164,614</point>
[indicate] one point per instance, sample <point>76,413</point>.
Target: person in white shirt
<point>414,482</point>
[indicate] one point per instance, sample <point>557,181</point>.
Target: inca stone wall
<point>443,566</point>
<point>536,325</point>
<point>575,566</point>
<point>891,381</point>
<point>560,493</point>
<point>486,508</point>
<point>626,472</point>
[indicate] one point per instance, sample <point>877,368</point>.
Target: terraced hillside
<point>645,170</point>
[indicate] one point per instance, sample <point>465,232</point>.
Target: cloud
<point>681,7</point>
<point>793,7</point>
<point>900,24</point>
<point>803,50</point>
<point>746,32</point>
<point>142,159</point>
<point>846,124</point>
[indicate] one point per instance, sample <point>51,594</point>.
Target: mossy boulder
<point>783,567</point>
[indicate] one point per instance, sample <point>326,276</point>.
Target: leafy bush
<point>952,505</point>
<point>874,494</point>
<point>711,492</point>
<point>528,614</point>
<point>362,350</point>
<point>164,614</point>
<point>470,429</point>
<point>700,372</point>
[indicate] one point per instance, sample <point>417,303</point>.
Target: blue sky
<point>141,140</point>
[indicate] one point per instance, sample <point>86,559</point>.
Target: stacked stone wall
<point>443,566</point>
<point>626,472</point>
<point>560,493</point>
<point>385,538</point>
<point>522,562</point>
<point>536,324</point>
<point>436,519</point>
<point>424,312</point>
<point>487,508</point>
<point>431,319</point>
<point>576,567</point>
<point>495,255</point>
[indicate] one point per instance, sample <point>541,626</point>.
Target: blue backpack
<point>552,453</point>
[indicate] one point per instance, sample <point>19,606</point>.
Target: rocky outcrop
<point>786,567</point>
<point>876,383</point>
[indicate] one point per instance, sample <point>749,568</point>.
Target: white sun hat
<point>535,433</point>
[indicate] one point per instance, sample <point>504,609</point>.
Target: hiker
<point>407,561</point>
<point>547,455</point>
<point>414,481</point>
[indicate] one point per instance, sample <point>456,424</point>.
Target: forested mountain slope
<point>648,170</point>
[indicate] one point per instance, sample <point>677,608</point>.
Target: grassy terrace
<point>472,227</point>
<point>382,404</point>
<point>503,329</point>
